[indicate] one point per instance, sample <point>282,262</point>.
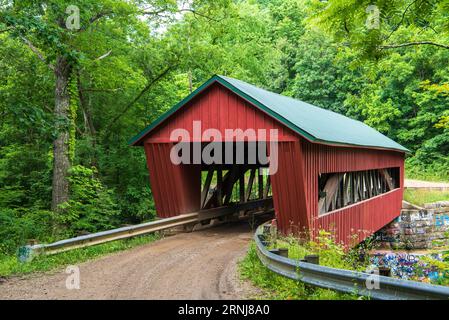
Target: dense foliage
<point>132,60</point>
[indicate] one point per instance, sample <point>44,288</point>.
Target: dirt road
<point>197,265</point>
<point>409,183</point>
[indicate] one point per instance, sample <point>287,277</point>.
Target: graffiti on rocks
<point>411,266</point>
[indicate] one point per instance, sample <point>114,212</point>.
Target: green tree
<point>375,27</point>
<point>53,36</point>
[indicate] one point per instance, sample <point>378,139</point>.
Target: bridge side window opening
<point>341,189</point>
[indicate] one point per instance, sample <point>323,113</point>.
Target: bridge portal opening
<point>230,173</point>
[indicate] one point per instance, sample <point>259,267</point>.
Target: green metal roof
<point>314,123</point>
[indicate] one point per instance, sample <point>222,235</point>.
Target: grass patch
<point>277,287</point>
<point>10,265</point>
<point>421,196</point>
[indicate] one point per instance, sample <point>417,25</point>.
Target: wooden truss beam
<point>338,190</point>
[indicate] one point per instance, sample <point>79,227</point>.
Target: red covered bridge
<point>332,172</point>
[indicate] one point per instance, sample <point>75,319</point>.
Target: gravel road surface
<point>197,265</point>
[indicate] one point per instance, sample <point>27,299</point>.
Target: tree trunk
<point>61,160</point>
<point>88,122</point>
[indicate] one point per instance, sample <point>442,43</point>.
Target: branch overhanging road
<point>197,265</point>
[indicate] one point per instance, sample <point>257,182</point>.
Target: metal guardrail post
<point>266,229</point>
<point>283,252</point>
<point>312,258</point>
<point>383,271</point>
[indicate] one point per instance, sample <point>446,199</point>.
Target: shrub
<point>20,225</point>
<point>331,253</point>
<point>137,205</point>
<point>91,207</point>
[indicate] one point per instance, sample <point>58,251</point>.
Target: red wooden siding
<point>361,219</point>
<point>219,108</point>
<point>371,214</point>
<point>288,188</point>
<point>176,188</point>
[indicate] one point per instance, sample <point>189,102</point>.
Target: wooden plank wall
<point>361,218</point>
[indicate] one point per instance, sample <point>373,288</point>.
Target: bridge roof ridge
<point>316,124</point>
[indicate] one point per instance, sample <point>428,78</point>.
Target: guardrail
<point>346,281</point>
<point>27,253</point>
